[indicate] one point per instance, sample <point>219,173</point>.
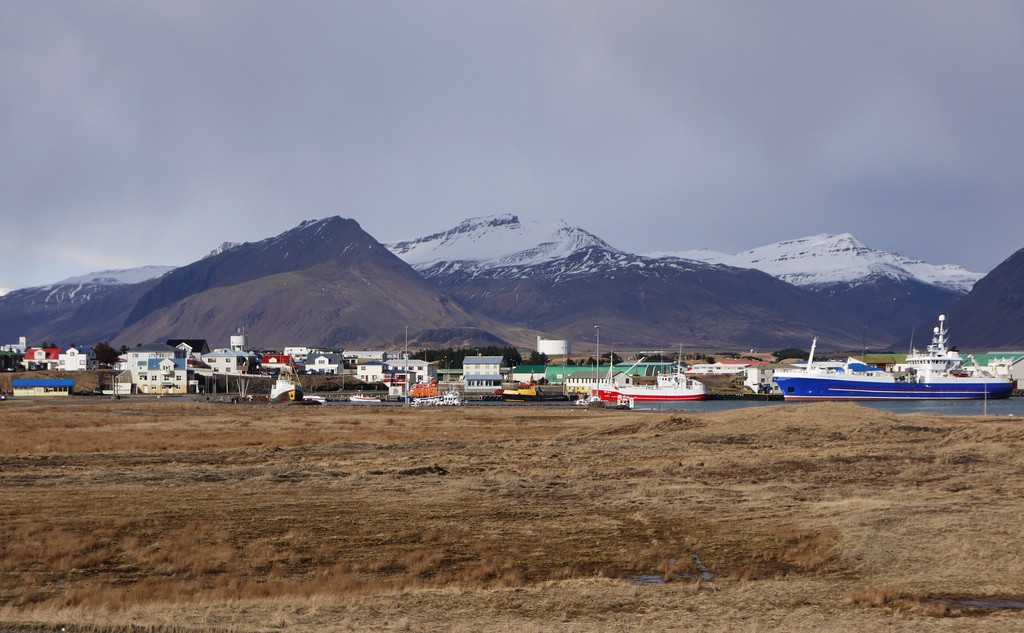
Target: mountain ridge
<point>839,258</point>
<point>328,282</point>
<point>471,245</point>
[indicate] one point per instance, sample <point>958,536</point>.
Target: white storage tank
<point>553,347</point>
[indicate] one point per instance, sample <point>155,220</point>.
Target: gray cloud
<point>148,132</point>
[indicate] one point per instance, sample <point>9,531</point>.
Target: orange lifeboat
<point>425,390</point>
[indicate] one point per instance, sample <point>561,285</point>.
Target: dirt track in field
<point>176,515</point>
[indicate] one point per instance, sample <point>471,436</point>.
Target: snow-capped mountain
<point>553,278</point>
<point>85,307</point>
<point>532,270</point>
<point>82,288</point>
<point>495,242</point>
<point>74,285</point>
<point>116,277</point>
<point>828,260</point>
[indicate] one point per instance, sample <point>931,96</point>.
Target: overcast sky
<point>140,132</point>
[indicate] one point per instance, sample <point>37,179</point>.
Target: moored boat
<point>287,387</point>
<point>528,392</point>
<point>450,398</point>
<point>360,398</point>
<point>424,393</point>
<point>669,387</point>
<point>937,373</point>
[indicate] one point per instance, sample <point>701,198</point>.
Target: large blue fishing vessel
<point>938,373</point>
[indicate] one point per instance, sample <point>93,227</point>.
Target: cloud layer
<point>149,132</point>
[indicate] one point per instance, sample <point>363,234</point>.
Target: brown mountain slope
<point>324,283</point>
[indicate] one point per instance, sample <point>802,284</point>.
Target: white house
<point>298,353</point>
<point>77,358</point>
<point>139,356</point>
<point>162,376</point>
<point>371,371</point>
<point>417,370</point>
<point>759,378</point>
<point>325,363</point>
<point>361,356</point>
<point>227,361</point>
<point>190,347</point>
<point>482,374</point>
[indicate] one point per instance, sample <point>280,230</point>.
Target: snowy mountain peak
<point>497,241</point>
<point>491,221</point>
<point>224,246</point>
<point>828,259</point>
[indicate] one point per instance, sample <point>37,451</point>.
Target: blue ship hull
<point>832,388</point>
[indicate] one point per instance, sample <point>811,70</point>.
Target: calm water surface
<point>1006,407</point>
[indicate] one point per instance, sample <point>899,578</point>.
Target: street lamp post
<point>598,360</point>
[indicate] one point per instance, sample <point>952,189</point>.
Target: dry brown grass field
<point>171,515</point>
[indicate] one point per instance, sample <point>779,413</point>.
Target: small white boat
<point>359,398</point>
<point>451,398</point>
<point>586,400</point>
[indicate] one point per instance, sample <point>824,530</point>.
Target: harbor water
<point>1007,407</point>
